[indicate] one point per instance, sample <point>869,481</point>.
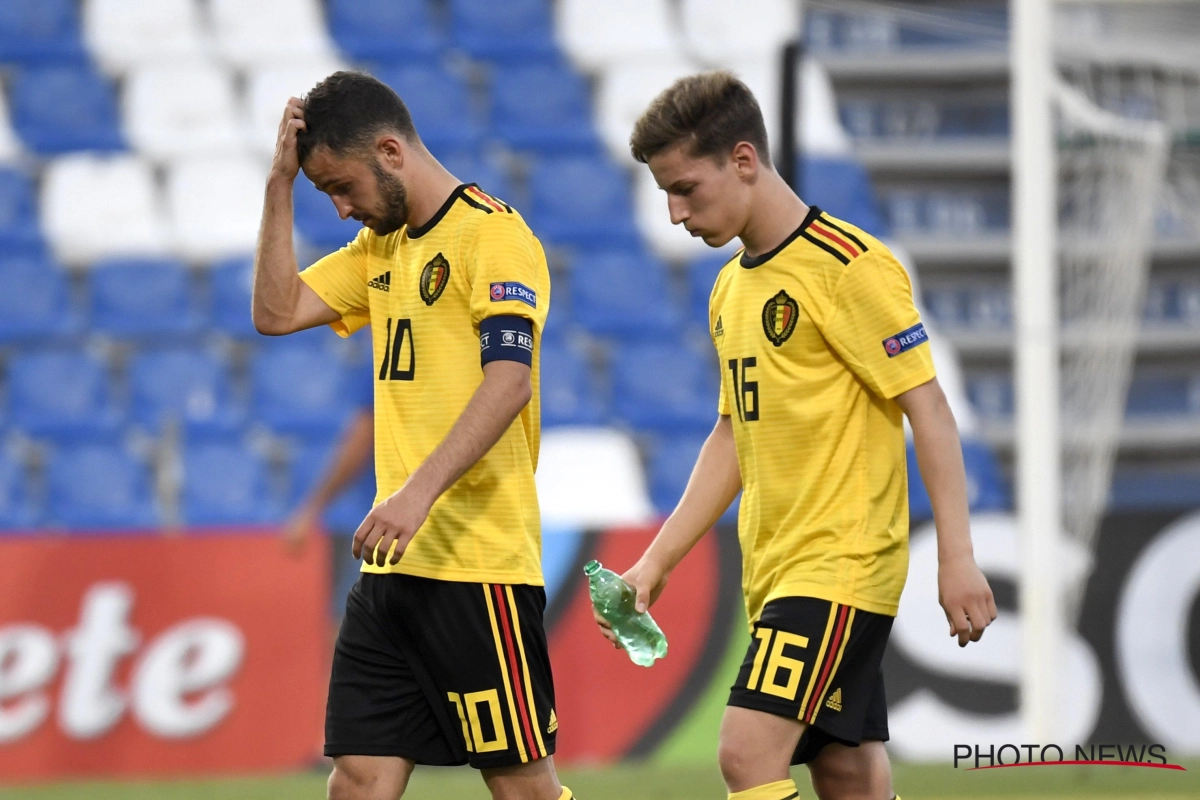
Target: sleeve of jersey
<point>508,273</point>
<point>722,396</point>
<point>340,279</point>
<point>876,329</point>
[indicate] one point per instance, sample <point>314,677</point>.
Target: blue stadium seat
<point>510,30</point>
<point>384,30</point>
<point>947,305</point>
<point>569,393</point>
<point>702,275</point>
<point>622,294</point>
<point>665,388</point>
<point>1162,395</point>
<point>987,489</point>
<point>19,229</point>
<point>991,395</point>
<point>189,387</point>
<point>307,465</point>
<point>842,188</point>
<point>317,219</point>
<point>670,467</point>
<point>17,511</point>
<point>40,31</point>
<point>230,282</point>
<point>300,390</point>
<point>35,304</point>
<point>95,486</point>
<point>583,202</point>
<point>61,395</point>
<point>470,168</point>
<point>143,299</point>
<point>1143,489</point>
<point>440,104</point>
<point>58,109</point>
<point>543,108</point>
<point>226,484</point>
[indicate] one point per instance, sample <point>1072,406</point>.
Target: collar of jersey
<point>757,261</point>
<point>417,233</point>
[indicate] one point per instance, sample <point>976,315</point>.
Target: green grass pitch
<point>671,783</point>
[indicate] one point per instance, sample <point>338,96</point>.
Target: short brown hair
<point>347,110</point>
<point>711,112</point>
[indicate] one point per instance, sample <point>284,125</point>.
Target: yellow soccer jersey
<point>815,339</point>
<point>424,293</point>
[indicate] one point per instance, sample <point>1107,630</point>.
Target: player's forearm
<point>939,457</point>
<point>277,285</point>
<point>354,452</point>
<point>715,481</point>
<point>506,389</point>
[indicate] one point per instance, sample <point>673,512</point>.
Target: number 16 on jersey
<point>745,391</point>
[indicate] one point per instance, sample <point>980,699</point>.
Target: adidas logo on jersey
<point>383,282</point>
<point>834,703</point>
<point>553,726</point>
<point>720,329</point>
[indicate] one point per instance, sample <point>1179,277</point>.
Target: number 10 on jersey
<point>745,391</point>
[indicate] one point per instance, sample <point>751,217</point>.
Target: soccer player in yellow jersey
<point>441,658</point>
<point>821,351</point>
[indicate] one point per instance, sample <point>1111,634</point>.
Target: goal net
<point>1127,93</point>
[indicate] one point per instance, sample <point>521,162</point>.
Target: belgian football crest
<point>779,317</point>
<point>434,278</point>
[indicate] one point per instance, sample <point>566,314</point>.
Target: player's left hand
<point>397,520</point>
<point>966,598</point>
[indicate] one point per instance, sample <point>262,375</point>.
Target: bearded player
<point>441,658</point>
<point>822,352</point>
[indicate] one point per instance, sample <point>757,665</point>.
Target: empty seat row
<point>666,387</point>
<point>1151,394</point>
<point>97,207</point>
<point>65,395</point>
<point>96,487</point>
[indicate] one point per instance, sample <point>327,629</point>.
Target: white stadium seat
<point>215,205</point>
<point>600,35</point>
<point>182,110</point>
<point>267,92</point>
<point>260,32</point>
<point>624,92</point>
<point>123,34</point>
<point>719,31</point>
<point>10,146</point>
<point>671,242</point>
<point>96,207</point>
<point>591,478</point>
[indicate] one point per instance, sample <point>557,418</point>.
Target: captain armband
<point>506,338</point>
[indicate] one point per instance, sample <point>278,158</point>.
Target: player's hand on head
<point>967,599</point>
<point>286,163</point>
<point>394,521</point>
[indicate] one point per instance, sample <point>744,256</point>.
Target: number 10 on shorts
<point>775,641</point>
<point>467,706</point>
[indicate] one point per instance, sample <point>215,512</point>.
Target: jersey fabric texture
<point>821,663</point>
<point>815,339</point>
<point>425,292</point>
<point>443,673</point>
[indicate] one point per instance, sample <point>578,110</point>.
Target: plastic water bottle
<point>614,599</point>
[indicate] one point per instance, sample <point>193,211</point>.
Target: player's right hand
<point>648,580</point>
<point>286,163</point>
<point>300,527</point>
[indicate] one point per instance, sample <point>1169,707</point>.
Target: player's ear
<point>390,148</point>
<point>745,160</point>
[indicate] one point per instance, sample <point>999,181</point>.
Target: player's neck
<point>775,215</point>
<point>429,187</point>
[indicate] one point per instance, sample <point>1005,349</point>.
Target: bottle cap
<point>591,567</point>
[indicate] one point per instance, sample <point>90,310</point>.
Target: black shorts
<point>442,673</point>
<point>818,662</point>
